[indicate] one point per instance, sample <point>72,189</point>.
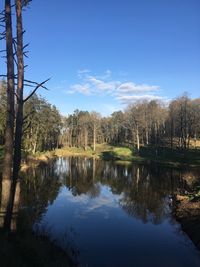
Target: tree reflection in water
<point>10,198</point>
<point>29,197</point>
<point>145,190</point>
<point>93,190</point>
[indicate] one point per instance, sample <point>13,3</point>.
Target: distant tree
<point>95,120</point>
<point>43,128</point>
<point>181,118</point>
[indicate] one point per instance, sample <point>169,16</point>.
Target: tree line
<point>149,123</point>
<point>143,123</point>
<point>42,123</point>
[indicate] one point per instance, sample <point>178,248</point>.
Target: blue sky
<point>105,54</point>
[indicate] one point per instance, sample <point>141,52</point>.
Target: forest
<point>175,125</point>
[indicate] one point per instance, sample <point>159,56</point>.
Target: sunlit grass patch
<point>122,151</point>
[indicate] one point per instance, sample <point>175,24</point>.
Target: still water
<point>109,214</point>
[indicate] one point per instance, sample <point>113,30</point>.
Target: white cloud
<point>130,87</point>
<point>79,88</point>
<point>124,92</point>
<point>102,85</point>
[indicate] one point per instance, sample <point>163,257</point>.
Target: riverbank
<point>177,158</point>
<point>20,250</point>
<point>187,213</point>
<point>147,154</point>
<point>103,151</point>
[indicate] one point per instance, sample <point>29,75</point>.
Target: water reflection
<point>145,190</point>
<point>9,205</point>
<point>40,188</point>
<point>111,213</point>
<point>115,213</point>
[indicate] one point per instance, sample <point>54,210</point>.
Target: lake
<point>108,213</point>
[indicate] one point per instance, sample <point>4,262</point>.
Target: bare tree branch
<point>36,88</point>
<point>25,46</point>
<point>35,83</point>
<point>29,114</point>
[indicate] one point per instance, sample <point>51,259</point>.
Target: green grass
<point>162,155</point>
<point>79,151</point>
<point>117,153</point>
<point>174,157</point>
<point>103,151</point>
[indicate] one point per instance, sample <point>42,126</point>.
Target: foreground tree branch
<point>36,88</point>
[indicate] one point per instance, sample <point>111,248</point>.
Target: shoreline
<point>122,153</point>
<point>187,213</point>
<point>117,153</point>
<point>40,251</point>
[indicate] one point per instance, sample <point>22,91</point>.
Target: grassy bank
<point>171,157</point>
<point>162,155</point>
<point>147,154</point>
<point>103,151</point>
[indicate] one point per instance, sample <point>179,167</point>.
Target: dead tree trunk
<point>10,114</point>
<point>19,93</point>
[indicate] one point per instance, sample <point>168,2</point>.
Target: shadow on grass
<point>175,156</point>
<point>164,155</point>
<point>108,155</point>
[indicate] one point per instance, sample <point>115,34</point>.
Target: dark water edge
<point>187,213</point>
<point>19,249</point>
<point>106,214</point>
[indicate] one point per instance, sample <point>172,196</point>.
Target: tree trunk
<point>20,86</point>
<point>10,115</point>
<point>195,140</point>
<point>93,169</point>
<point>147,135</point>
<point>172,133</point>
<point>35,142</point>
<point>9,204</point>
<point>138,139</point>
<point>94,137</point>
<point>5,197</point>
<point>85,139</point>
